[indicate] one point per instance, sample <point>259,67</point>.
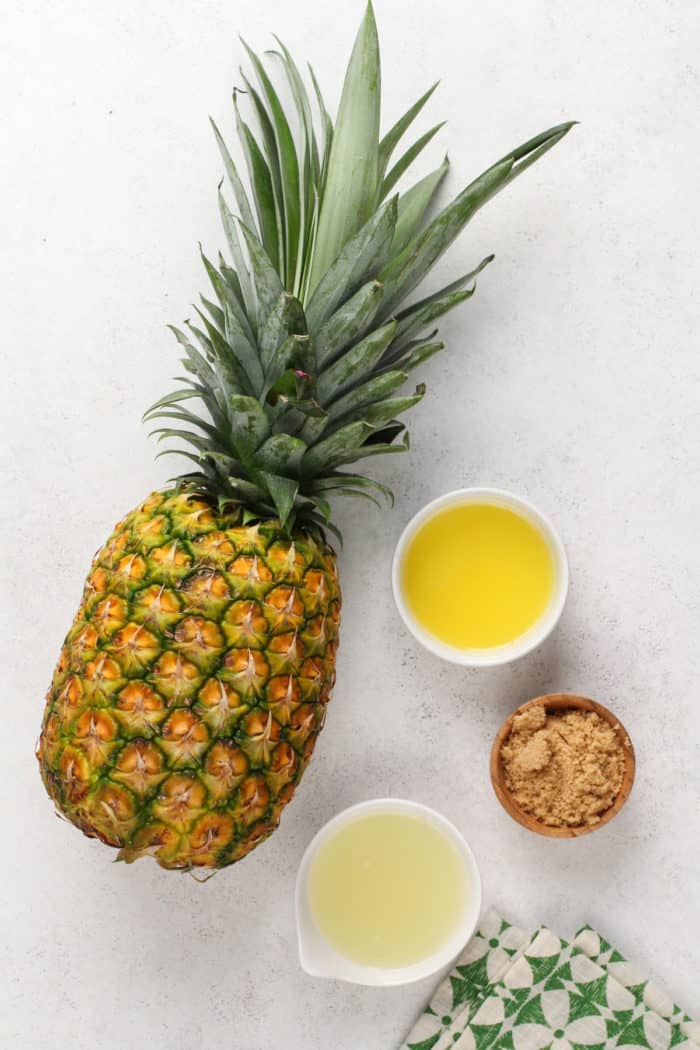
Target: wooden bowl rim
<point>561,702</point>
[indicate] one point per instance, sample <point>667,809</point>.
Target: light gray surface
<point>572,377</point>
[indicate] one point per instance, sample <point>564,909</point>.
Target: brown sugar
<point>564,768</point>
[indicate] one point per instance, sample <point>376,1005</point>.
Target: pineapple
<point>193,683</point>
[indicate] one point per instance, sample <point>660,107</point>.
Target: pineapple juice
<point>388,890</point>
<point>477,575</point>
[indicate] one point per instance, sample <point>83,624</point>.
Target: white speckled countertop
<point>571,377</point>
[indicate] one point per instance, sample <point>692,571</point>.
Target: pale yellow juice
<point>477,575</point>
<point>388,889</point>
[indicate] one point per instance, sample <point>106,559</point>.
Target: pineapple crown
<point>299,358</point>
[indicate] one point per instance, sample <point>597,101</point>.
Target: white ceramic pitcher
<point>320,959</point>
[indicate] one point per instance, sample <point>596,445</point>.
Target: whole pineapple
<point>193,683</point>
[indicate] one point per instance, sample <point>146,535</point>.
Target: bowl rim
<point>334,965</point>
<point>561,702</point>
<point>522,645</point>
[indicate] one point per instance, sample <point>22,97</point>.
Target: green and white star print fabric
<point>513,990</point>
<point>677,1027</point>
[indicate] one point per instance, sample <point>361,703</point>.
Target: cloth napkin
<point>513,989</point>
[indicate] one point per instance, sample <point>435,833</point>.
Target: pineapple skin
<point>193,683</point>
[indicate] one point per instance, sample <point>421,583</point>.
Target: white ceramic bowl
<point>525,643</point>
<point>320,959</point>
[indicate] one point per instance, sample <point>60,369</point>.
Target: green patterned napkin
<point>484,961</point>
<point>681,1029</point>
<point>511,990</point>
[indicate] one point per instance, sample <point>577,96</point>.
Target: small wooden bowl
<point>560,702</point>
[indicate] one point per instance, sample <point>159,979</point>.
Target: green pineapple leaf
<point>234,178</point>
<point>355,363</point>
<point>284,319</point>
<point>396,133</point>
<point>263,191</point>
<point>281,454</point>
<point>414,356</point>
<point>360,259</point>
<point>375,389</point>
<point>349,322</point>
<point>350,191</point>
<point>289,167</point>
<point>416,322</point>
<point>339,479</point>
<point>332,450</point>
<point>403,164</point>
<point>453,286</point>
<point>250,426</point>
<point>283,492</point>
<point>413,205</point>
<point>250,300</point>
<point>267,282</point>
<point>385,411</point>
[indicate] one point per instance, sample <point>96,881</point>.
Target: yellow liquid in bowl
<point>388,890</point>
<point>477,575</point>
